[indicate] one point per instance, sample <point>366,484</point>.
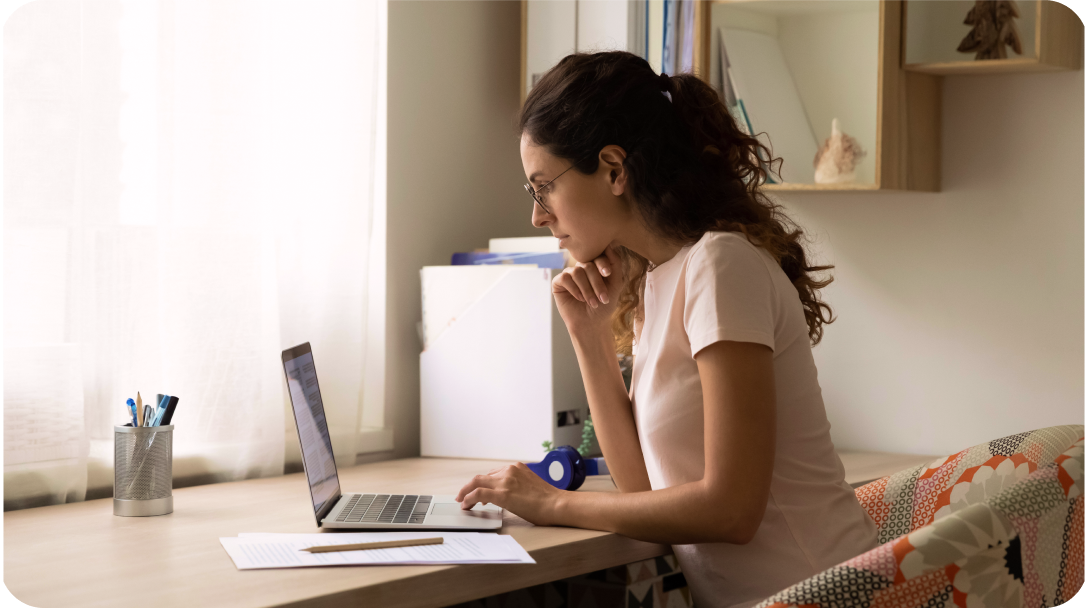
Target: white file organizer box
<point>498,373</point>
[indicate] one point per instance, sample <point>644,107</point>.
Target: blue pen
<point>159,412</point>
<point>157,419</point>
<point>132,407</point>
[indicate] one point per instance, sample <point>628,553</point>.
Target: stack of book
<point>668,35</point>
<point>540,251</point>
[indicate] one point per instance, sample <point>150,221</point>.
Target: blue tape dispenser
<point>565,468</point>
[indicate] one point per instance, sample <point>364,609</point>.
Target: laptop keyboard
<point>385,509</point>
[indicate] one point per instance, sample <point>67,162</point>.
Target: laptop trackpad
<point>487,511</point>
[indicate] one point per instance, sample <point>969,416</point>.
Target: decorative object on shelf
<point>993,29</point>
<point>838,157</point>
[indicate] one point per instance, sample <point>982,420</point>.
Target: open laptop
<point>362,511</point>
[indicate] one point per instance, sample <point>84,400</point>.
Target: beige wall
<point>454,171</point>
<point>961,313</point>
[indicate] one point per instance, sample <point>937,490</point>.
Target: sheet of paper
<point>517,550</point>
<point>275,550</point>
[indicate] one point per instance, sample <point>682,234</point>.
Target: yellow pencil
<point>376,545</point>
<point>139,409</point>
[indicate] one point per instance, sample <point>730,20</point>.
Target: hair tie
<point>664,82</point>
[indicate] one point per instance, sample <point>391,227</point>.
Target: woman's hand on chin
<point>517,489</point>
<point>587,293</point>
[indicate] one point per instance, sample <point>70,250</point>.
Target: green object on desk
<point>589,438</point>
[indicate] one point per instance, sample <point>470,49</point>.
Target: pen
<point>161,410</point>
<point>378,545</point>
<point>166,408</point>
<point>170,410</point>
<point>132,409</point>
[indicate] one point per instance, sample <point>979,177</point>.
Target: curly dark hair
<point>691,169</point>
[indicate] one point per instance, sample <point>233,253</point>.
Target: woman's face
<point>584,211</point>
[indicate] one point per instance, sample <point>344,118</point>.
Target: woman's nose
<point>540,218</point>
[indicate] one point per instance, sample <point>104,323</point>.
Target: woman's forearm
<point>687,513</point>
<point>610,406</point>
<point>727,503</point>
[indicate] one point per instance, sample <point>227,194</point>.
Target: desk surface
<point>80,554</point>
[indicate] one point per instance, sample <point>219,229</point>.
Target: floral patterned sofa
<point>998,525</point>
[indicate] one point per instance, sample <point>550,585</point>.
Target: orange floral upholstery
<point>999,524</point>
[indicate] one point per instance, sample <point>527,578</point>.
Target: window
<point>189,188</point>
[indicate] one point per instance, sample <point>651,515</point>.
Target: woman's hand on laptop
<point>517,489</point>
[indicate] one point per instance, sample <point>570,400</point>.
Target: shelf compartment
<point>899,119</point>
<point>1051,37</point>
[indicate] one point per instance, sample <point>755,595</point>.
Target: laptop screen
<point>313,432</point>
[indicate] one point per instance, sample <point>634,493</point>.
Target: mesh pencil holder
<point>143,471</point>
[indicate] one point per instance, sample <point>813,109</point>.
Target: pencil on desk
<point>376,545</point>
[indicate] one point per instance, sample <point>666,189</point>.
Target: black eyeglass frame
<point>536,193</point>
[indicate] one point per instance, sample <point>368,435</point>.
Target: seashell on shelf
<point>838,157</point>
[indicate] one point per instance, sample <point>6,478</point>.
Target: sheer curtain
<point>189,187</point>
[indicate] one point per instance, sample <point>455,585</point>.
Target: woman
<point>722,448</point>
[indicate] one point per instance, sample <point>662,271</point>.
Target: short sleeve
<point>729,294</point>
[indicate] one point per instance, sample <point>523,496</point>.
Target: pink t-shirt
<point>723,288</point>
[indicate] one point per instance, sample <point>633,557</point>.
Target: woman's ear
<point>611,158</point>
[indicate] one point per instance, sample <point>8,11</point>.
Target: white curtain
<point>189,188</point>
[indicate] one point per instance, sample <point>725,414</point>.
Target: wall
<point>961,313</point>
<point>455,175</point>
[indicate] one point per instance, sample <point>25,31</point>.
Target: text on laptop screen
<point>313,432</point>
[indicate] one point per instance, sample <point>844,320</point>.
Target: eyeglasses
<point>538,195</point>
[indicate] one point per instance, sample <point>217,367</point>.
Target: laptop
<point>355,510</point>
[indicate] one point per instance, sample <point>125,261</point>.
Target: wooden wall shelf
<point>820,187</point>
<point>909,110</point>
<point>1058,37</point>
<point>907,155</point>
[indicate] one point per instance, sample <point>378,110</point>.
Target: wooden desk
<point>80,554</point>
<point>865,466</point>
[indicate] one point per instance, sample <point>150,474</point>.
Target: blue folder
<point>542,260</point>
